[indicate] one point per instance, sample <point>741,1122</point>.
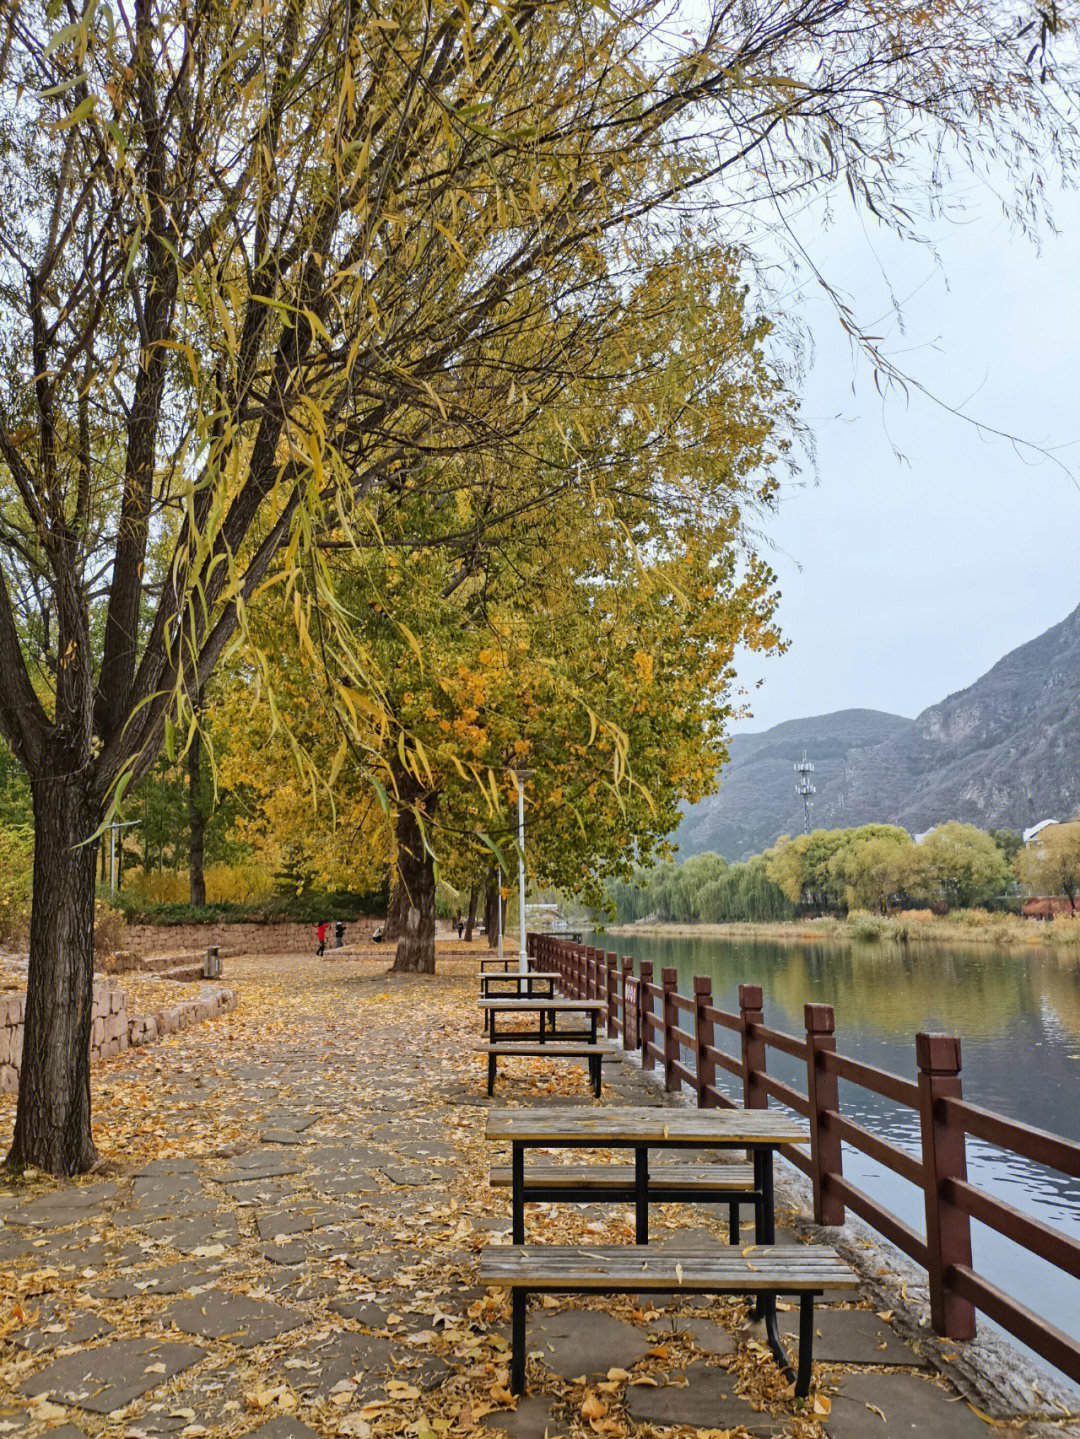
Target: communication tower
<point>805,788</point>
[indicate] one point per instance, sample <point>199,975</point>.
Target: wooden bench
<point>714,1183</point>
<point>553,1048</point>
<point>804,1270</point>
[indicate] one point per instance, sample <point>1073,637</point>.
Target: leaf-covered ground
<point>286,1229</point>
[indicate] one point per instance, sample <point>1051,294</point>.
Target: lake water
<point>1018,1018</point>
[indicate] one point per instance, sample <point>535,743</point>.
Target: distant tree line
<point>874,867</point>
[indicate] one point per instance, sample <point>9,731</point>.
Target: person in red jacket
<point>320,935</point>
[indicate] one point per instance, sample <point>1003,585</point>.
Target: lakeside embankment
<point>973,926</point>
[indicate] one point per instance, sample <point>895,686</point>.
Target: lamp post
<point>498,914</point>
<point>522,962</point>
<point>113,827</point>
<point>520,776</point>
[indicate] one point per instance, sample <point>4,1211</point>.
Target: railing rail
<point>680,1033</point>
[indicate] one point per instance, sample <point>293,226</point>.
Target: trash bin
<point>339,934</point>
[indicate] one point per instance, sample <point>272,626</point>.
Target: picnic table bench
<point>708,1183</point>
<point>802,1270</point>
<point>546,1012</point>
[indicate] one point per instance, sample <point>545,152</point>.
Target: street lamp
<point>113,827</point>
<point>519,780</point>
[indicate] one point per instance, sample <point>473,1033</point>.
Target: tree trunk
<point>470,919</point>
<point>394,910</point>
<point>416,878</point>
<point>493,904</point>
<point>196,821</point>
<point>52,1121</point>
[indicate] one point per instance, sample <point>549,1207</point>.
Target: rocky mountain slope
<point>1003,752</point>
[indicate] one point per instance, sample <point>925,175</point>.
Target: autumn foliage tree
<point>589,642</point>
<point>1050,862</point>
<point>259,266</point>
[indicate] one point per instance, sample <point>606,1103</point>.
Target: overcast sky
<point>904,579</point>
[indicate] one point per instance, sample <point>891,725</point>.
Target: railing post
<point>611,992</point>
<point>629,1035</point>
<point>704,1064</point>
<point>823,1091</point>
<point>644,1007</point>
<point>948,1229</point>
<point>669,979</point>
<point>753,1047</point>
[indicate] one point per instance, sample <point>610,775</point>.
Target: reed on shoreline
<point>913,926</point>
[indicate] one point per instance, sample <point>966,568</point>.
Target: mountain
<point>1005,752</point>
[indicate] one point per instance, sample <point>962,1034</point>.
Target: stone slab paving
<point>265,1164</point>
<point>854,1336</point>
<point>72,1329</point>
<point>68,1206</point>
<point>217,1314</point>
<point>191,1232</point>
<point>585,1341</point>
<point>281,1136</point>
<point>110,1376</point>
<point>296,1120</point>
<point>299,1219</point>
<point>705,1398</point>
<point>708,1336</point>
<point>532,1419</point>
<point>283,1426</point>
<point>900,1406</point>
<point>172,1279</point>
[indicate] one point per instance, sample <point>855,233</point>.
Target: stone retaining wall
<point>112,1029</point>
<point>287,937</point>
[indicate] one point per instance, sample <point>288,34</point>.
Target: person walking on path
<point>320,935</point>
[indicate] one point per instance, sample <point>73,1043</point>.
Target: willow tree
<point>254,265</point>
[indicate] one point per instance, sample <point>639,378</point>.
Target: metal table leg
<point>518,1193</point>
<point>764,1224</point>
<point>520,1299</point>
<point>641,1194</point>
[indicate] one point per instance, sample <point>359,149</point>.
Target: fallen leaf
<point>593,1408</point>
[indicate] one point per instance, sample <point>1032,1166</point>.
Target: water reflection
<point>1018,1016</point>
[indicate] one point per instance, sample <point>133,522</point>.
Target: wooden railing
<point>683,1036</point>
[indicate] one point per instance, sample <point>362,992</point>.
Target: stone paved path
<point>288,1247</point>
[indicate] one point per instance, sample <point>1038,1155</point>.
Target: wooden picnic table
<point>763,1272</point>
<point>547,1011</point>
<point>761,1131</point>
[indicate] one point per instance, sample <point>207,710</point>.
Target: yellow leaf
<point>593,1408</point>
